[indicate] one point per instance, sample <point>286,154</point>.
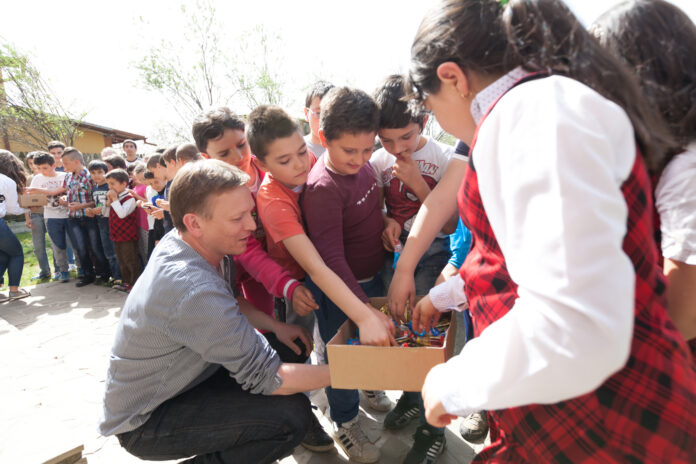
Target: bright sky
<point>86,48</point>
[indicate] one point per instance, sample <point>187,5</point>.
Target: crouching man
<point>188,374</point>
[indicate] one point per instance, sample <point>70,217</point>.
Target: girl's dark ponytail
<point>491,38</point>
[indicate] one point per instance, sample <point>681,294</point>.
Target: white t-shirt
<point>8,197</point>
<point>52,210</point>
<point>402,204</point>
<point>150,193</point>
<point>675,200</point>
<point>317,149</point>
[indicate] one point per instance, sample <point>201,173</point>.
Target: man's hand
<point>29,224</point>
<point>435,412</point>
<point>164,204</point>
<point>156,213</point>
<point>302,301</point>
<point>376,329</point>
<point>424,315</point>
<point>287,333</point>
<point>112,195</point>
<point>402,291</point>
<point>89,212</point>
<point>391,233</point>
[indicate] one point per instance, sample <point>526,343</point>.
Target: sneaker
<point>72,267</point>
<point>120,288</point>
<point>474,427</point>
<point>117,282</point>
<point>80,273</point>
<point>403,414</point>
<point>85,281</point>
<point>354,442</point>
<point>64,276</point>
<point>56,276</point>
<point>19,294</point>
<point>317,439</point>
<point>426,447</point>
<point>40,277</point>
<point>378,400</point>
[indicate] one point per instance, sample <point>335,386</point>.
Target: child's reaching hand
<point>302,301</point>
<point>391,233</point>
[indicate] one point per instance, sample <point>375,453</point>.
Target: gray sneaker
<point>378,400</point>
<point>354,442</point>
<point>474,427</point>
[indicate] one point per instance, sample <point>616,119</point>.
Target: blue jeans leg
<point>57,229</point>
<point>78,237</point>
<point>101,264</point>
<point>218,422</point>
<point>344,404</point>
<point>11,255</point>
<point>38,238</point>
<point>108,247</point>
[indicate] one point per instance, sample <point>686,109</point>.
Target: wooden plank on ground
<point>69,457</point>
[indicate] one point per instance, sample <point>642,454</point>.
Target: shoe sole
<point>475,439</point>
<point>319,448</point>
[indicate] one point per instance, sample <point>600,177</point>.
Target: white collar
<point>486,97</point>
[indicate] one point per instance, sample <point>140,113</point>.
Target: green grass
<point>31,264</point>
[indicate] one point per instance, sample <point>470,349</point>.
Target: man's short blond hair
<point>196,183</point>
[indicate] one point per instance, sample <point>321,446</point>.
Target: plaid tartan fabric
<point>126,229</point>
<point>646,412</point>
<point>79,190</point>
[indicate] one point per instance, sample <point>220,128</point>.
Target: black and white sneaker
<point>351,437</point>
<point>474,427</point>
<point>403,414</point>
<point>427,447</point>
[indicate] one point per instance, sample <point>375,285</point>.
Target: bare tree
<point>30,112</point>
<point>198,72</point>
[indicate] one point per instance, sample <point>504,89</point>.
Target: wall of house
<point>88,142</point>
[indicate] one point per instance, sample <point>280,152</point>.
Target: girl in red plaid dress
<point>575,355</point>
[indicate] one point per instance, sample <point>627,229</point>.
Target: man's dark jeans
<point>84,234</point>
<point>218,422</point>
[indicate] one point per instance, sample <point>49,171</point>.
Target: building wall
<point>88,142</point>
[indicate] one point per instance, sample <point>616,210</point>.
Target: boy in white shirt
<point>51,183</point>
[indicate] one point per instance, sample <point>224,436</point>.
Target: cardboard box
<point>383,368</point>
<point>30,200</point>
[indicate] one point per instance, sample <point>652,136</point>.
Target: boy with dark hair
<point>50,183</point>
<point>34,220</point>
<point>115,162</point>
<point>97,170</point>
<point>129,146</point>
<point>341,207</point>
<point>186,153</point>
<point>155,188</point>
<point>56,149</point>
<point>407,167</point>
<point>123,228</point>
<point>156,165</point>
<point>312,113</point>
<point>83,230</point>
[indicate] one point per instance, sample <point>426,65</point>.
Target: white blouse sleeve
<point>10,200</point>
<point>550,160</point>
<point>449,295</point>
<point>675,200</point>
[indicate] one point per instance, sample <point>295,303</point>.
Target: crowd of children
<point>339,221</point>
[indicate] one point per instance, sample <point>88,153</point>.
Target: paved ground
<point>54,349</point>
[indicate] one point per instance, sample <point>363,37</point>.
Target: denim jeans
<point>218,422</point>
<point>57,230</point>
<point>11,255</point>
<point>344,404</point>
<point>38,238</point>
<point>108,247</point>
<point>84,234</point>
<point>428,268</point>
